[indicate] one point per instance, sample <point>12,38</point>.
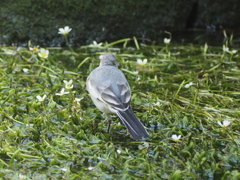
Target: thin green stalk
<point>66,39</point>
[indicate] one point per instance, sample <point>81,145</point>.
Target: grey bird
<point>111,93</point>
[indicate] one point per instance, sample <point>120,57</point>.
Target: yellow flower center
<point>69,86</point>
<point>44,55</point>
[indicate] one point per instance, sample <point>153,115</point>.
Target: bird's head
<point>108,59</point>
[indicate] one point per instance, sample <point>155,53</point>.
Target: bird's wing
<point>117,95</point>
<point>93,90</point>
<point>110,86</point>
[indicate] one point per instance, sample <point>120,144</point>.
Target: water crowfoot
<point>41,98</point>
<point>43,53</point>
<point>25,70</point>
<point>224,124</point>
<point>68,84</point>
<point>95,45</point>
<point>78,100</point>
<point>166,41</point>
<point>188,85</point>
<point>141,62</point>
<point>64,31</point>
<point>62,92</point>
<point>176,137</point>
<point>34,49</point>
<point>62,130</point>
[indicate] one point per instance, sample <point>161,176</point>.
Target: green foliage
<point>182,90</point>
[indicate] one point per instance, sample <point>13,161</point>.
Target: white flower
<point>34,49</point>
<point>157,104</point>
<point>41,98</point>
<point>176,137</point>
<point>90,168</point>
<point>65,30</point>
<point>95,44</point>
<point>29,125</point>
<point>22,177</point>
<point>232,52</point>
<point>224,124</point>
<point>8,51</point>
<point>77,100</point>
<point>43,53</point>
<point>225,48</point>
<point>25,70</point>
<point>141,62</point>
<point>144,145</point>
<point>119,151</point>
<point>68,84</point>
<point>188,85</point>
<point>64,169</point>
<point>166,40</point>
<point>62,92</point>
<point>135,72</point>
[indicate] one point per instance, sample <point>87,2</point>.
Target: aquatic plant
<point>50,129</point>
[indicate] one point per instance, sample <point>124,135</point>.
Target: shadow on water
<point>212,36</point>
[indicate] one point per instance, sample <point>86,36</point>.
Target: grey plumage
<point>111,93</point>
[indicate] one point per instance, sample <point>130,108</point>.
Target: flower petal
<point>226,123</point>
<point>139,61</point>
<point>220,124</point>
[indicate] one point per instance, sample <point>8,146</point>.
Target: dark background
<point>109,20</point>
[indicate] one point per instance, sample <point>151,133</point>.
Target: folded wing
<point>117,95</point>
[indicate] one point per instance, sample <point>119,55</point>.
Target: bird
<point>111,94</point>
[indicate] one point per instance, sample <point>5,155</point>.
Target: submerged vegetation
<point>186,96</point>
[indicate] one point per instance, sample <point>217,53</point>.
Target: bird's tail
<point>134,126</point>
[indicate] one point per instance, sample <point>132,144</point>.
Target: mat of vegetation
<point>187,97</point>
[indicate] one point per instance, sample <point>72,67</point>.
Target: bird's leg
<point>108,117</point>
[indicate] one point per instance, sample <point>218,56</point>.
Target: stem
<point>143,74</point>
<point>68,43</point>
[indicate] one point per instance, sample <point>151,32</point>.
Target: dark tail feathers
<point>134,126</point>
